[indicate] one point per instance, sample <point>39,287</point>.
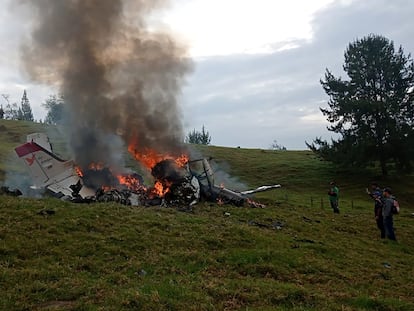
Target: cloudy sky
<point>257,62</point>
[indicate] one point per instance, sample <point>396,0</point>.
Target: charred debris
<point>186,186</point>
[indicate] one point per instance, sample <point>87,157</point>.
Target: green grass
<point>115,257</point>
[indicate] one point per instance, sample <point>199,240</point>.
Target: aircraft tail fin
<point>47,169</point>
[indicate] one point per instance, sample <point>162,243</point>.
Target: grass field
<point>295,254</point>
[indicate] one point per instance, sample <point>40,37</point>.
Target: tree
<point>372,111</point>
<point>55,108</point>
<point>11,112</point>
<point>200,138</point>
<point>25,111</point>
<point>8,112</point>
<point>276,146</point>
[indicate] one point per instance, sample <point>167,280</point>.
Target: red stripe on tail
<point>27,148</point>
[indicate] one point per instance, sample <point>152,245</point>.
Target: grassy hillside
<point>295,254</point>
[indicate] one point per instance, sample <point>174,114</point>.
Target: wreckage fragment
<point>183,188</point>
<point>185,193</point>
<point>260,189</point>
<point>125,197</point>
<point>201,169</point>
<point>7,191</point>
<point>224,196</point>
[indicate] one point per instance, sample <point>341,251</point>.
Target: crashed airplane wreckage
<point>180,185</point>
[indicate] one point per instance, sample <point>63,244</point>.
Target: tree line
<point>55,106</point>
<point>15,112</point>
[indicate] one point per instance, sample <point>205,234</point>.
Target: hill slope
<point>295,254</point>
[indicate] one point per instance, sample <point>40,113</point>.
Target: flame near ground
<point>134,182</point>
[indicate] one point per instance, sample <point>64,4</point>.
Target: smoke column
<point>119,78</point>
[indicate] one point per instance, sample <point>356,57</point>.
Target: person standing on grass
<point>387,213</point>
<point>334,197</point>
<point>376,194</point>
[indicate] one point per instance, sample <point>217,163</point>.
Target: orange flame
<point>160,189</point>
<point>96,166</point>
<point>182,160</point>
<point>255,204</point>
<point>149,158</point>
<point>130,182</point>
<point>106,188</point>
<point>78,171</point>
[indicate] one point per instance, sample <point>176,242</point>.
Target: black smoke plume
<point>119,77</point>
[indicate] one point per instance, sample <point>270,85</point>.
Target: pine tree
<point>25,111</point>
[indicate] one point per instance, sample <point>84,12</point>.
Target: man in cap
<point>376,194</point>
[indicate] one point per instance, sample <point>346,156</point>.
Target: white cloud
<point>218,27</point>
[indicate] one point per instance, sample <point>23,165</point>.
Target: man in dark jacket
<point>376,194</point>
<point>387,213</point>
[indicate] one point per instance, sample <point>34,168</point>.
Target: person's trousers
<point>389,227</point>
<point>334,205</point>
<point>380,225</point>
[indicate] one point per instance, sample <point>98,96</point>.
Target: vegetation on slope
<point>295,254</point>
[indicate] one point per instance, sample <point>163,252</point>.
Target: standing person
<point>334,197</point>
<point>387,213</point>
<point>376,194</point>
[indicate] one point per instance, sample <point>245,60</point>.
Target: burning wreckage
<point>178,182</point>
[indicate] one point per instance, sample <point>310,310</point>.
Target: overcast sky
<point>257,62</point>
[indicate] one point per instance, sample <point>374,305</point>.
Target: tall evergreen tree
<point>373,111</point>
<point>25,111</point>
